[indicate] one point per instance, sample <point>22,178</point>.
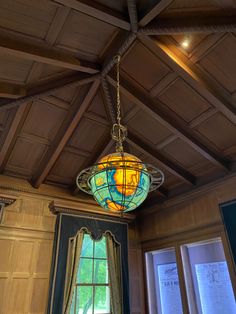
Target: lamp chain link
<point>119,132</point>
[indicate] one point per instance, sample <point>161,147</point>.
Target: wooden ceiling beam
<point>191,24</point>
<point>132,8</point>
<point>98,11</point>
<point>169,165</point>
<point>50,88</point>
<point>151,107</point>
<point>44,53</point>
<point>70,123</point>
<point>200,81</point>
<point>11,90</point>
<point>20,116</point>
<point>153,11</point>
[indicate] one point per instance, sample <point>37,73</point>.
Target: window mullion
<point>180,269</point>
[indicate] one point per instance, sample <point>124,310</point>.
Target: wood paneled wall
<point>187,214</point>
<point>188,219</point>
<point>26,240</point>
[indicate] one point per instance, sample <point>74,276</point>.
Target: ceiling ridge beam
<point>98,11</point>
<point>193,75</point>
<point>133,15</point>
<point>127,42</point>
<point>44,53</point>
<point>191,24</point>
<point>151,107</point>
<point>154,11</point>
<point>50,88</point>
<point>69,125</point>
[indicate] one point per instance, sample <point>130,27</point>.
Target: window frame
<point>93,285</point>
<point>184,239</point>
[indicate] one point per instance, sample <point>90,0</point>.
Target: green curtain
<point>73,257</point>
<point>114,268</point>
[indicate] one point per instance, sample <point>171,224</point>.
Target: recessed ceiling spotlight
<point>185,43</point>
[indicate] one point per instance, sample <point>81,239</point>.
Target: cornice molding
<point>88,210</point>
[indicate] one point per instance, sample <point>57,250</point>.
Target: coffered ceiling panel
<point>144,67</point>
<point>66,168</point>
<point>183,100</point>
<point>220,62</point>
<point>25,157</point>
<point>182,153</point>
<point>27,17</point>
<point>200,5</point>
<point>118,5</point>
<point>51,116</point>
<point>97,107</point>
<point>14,69</point>
<point>80,33</point>
<point>88,135</point>
<point>147,127</point>
<point>219,130</point>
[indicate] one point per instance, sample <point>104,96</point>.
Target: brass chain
<point>118,89</point>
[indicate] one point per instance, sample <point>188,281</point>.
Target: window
<point>205,278</point>
<point>92,289</point>
<point>209,287</point>
<point>163,280</point>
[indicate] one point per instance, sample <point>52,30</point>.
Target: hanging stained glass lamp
<point>120,181</point>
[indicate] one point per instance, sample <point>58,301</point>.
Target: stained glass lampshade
<point>119,181</point>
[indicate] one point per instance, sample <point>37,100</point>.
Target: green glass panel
<point>84,300</point>
<point>100,271</point>
<point>85,271</point>
<point>102,300</point>
<point>100,249</point>
<point>87,247</point>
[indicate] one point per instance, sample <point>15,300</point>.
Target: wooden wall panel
<point>26,241</point>
<point>186,214</point>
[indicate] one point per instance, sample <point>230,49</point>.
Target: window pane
<point>85,272</point>
<point>84,300</point>
<point>102,300</point>
<point>100,249</point>
<point>87,247</point>
<point>163,283</point>
<point>72,307</point>
<point>207,278</point>
<point>100,271</point>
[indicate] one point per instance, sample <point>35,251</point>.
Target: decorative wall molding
<point>87,210</point>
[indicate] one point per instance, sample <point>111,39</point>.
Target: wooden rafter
<point>191,24</point>
<point>11,90</point>
<point>50,88</point>
<point>44,53</point>
<point>151,107</point>
<point>196,78</point>
<point>68,127</point>
<point>169,165</point>
<point>132,8</point>
<point>153,11</point>
<point>97,10</point>
<point>19,118</point>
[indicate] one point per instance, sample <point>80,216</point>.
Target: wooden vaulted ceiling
<point>57,88</point>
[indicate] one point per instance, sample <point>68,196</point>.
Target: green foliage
<point>93,269</point>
